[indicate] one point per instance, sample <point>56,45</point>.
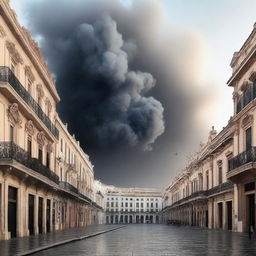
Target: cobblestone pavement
<point>18,246</point>
<point>159,240</point>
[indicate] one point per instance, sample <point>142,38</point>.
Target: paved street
<point>19,246</point>
<point>152,240</point>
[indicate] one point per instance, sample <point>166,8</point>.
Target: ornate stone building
<point>46,180</point>
<point>217,187</point>
<point>132,205</point>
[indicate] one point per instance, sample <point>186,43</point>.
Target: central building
<point>132,205</point>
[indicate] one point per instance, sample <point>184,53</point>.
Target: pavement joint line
<point>46,247</point>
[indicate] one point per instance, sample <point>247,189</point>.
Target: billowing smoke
<point>119,67</point>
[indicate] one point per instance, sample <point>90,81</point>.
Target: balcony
<point>242,162</point>
<point>68,187</point>
<point>220,188</point>
<point>7,76</point>
<point>11,151</point>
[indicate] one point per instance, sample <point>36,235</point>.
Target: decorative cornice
<point>30,128</point>
<point>40,91</point>
<point>29,73</point>
<point>49,147</point>
<point>41,139</point>
<point>2,32</point>
<point>48,104</point>
<point>247,120</point>
<point>13,52</point>
<point>13,115</point>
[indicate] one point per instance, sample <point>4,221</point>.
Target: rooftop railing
<point>7,76</point>
<point>11,151</point>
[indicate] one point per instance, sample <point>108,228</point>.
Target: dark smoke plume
<point>117,67</point>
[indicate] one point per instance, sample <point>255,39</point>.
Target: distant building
<point>132,205</point>
<point>217,187</point>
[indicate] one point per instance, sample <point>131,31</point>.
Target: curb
<point>42,248</point>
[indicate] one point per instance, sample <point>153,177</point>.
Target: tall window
<point>207,180</point>
<point>248,138</point>
<point>13,66</point>
<point>11,133</point>
<point>48,159</point>
<point>61,145</point>
<point>220,174</point>
<point>29,87</point>
<point>40,155</point>
<point>29,145</point>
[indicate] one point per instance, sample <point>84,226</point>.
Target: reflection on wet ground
<point>149,240</point>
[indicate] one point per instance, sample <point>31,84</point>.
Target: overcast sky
<point>148,78</point>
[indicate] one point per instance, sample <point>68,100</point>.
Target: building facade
<point>46,180</point>
<point>132,205</point>
<point>217,187</point>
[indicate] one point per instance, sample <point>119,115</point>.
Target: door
<point>48,216</point>
<point>40,215</point>
<point>251,211</point>
<point>130,219</point>
<point>31,209</point>
<point>229,215</point>
<point>12,210</point>
<point>220,212</point>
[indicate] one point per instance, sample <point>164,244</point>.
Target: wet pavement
<point>159,240</point>
<point>20,246</point>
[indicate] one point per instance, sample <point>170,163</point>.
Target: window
<point>220,174</point>
<point>11,133</point>
<point>248,138</point>
<point>29,146</point>
<point>13,66</point>
<point>126,204</point>
<point>130,204</point>
<point>207,180</point>
<point>141,204</point>
<point>61,174</point>
<point>122,204</point>
<point>40,155</point>
<point>137,204</point>
<point>112,204</point>
<point>116,204</point>
<point>48,159</point>
<point>107,204</point>
<point>29,87</point>
<point>61,145</point>
<point>152,205</point>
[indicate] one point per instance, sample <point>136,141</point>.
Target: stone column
<point>36,215</point>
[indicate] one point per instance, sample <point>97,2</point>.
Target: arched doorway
<point>137,219</point>
<point>126,219</point>
<point>141,219</point>
<point>130,219</point>
<point>157,219</point>
<point>116,219</point>
<point>121,219</point>
<point>151,219</point>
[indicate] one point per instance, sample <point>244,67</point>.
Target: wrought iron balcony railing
<point>222,187</point>
<point>7,76</point>
<point>11,151</point>
<point>68,187</point>
<point>242,159</point>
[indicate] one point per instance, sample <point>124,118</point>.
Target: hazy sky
<point>149,77</point>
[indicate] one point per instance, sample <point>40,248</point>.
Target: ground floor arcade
<point>132,218</point>
<point>31,206</point>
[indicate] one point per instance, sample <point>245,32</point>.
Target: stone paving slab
<point>28,245</point>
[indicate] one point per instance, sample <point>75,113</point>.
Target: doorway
<point>220,214</point>
<point>12,211</point>
<point>48,215</point>
<point>40,215</point>
<point>229,215</point>
<point>251,211</point>
<point>31,210</point>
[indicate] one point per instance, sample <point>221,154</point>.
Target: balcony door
<point>248,138</point>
